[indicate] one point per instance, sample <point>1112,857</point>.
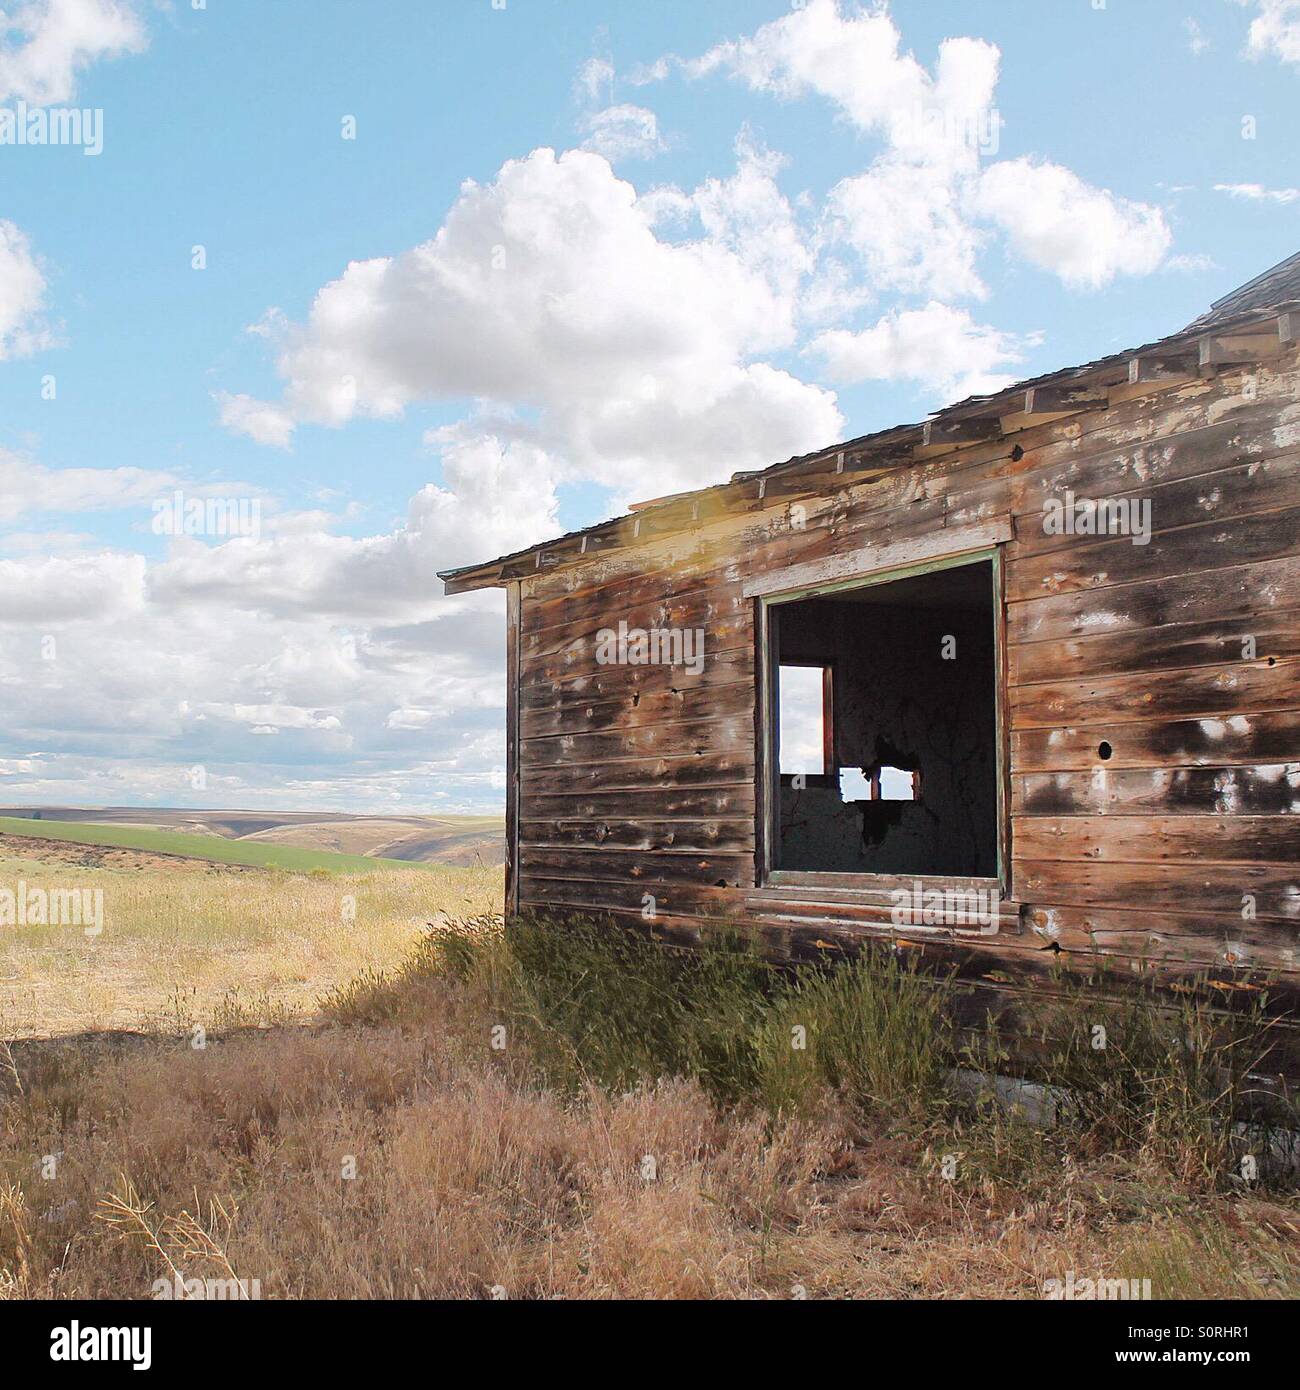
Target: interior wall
<point>900,702</point>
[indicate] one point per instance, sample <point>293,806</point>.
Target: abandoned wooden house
<point>1017,682</point>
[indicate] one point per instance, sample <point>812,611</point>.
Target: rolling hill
<point>270,838</point>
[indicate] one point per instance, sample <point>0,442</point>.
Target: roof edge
<point>1192,353</point>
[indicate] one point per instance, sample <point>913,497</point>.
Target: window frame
<point>830,767</point>
<point>875,786</point>
<point>768,788</point>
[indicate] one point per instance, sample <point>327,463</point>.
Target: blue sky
<point>762,228</point>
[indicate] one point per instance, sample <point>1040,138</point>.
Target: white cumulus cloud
<point>56,589</point>
<point>549,290</point>
<point>499,497</point>
<point>854,59</point>
<point>1055,220</point>
<point>915,215</point>
<point>1275,30</point>
<point>44,44</point>
<point>22,296</point>
<point>941,347</point>
<point>906,222</point>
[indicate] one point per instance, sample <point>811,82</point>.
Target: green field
<point>211,847</point>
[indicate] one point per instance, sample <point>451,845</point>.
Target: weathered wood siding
<point>639,780</point>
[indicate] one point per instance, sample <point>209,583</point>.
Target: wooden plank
<point>1185,840</point>
<point>696,592</point>
<point>1271,789</point>
<point>970,430</point>
<point>1164,933</point>
<point>1053,400</point>
<point>512,748</point>
<point>1267,485</point>
<point>673,771</point>
<point>658,600</point>
<point>1128,422</point>
<point>792,883</point>
<point>883,456</point>
<point>578,659</point>
<point>568,683</point>
<point>829,534</point>
<point>1212,742</point>
<point>767,792</point>
<point>1189,550</point>
<point>1002,719</point>
<point>801,484</point>
<point>676,705</point>
<point>1220,349</point>
<point>1136,889</point>
<point>1239,594</point>
<point>1270,633</point>
<point>667,867</point>
<point>1212,692</point>
<point>655,584</point>
<point>715,562</point>
<point>1131,416</point>
<point>701,576</point>
<point>693,737</point>
<point>691,834</point>
<point>590,896</point>
<point>906,923</point>
<point>889,509</point>
<point>1145,425</point>
<point>1163,368</point>
<point>671,803</point>
<point>585,642</point>
<point>877,560</point>
<point>535,561</point>
<point>1088,468</point>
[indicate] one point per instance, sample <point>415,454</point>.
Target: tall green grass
<point>1164,1081</point>
<point>589,1004</point>
<point>601,1006</point>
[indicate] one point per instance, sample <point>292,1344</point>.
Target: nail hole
<point>1104,750</point>
<point>1017,454</point>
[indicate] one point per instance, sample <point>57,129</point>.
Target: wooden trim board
<point>879,559</point>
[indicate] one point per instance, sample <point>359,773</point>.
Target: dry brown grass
<point>191,943</point>
<point>229,1162</point>
<point>393,1152</point>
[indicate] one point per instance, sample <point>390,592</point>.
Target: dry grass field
<point>374,1110</point>
<point>186,941</point>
